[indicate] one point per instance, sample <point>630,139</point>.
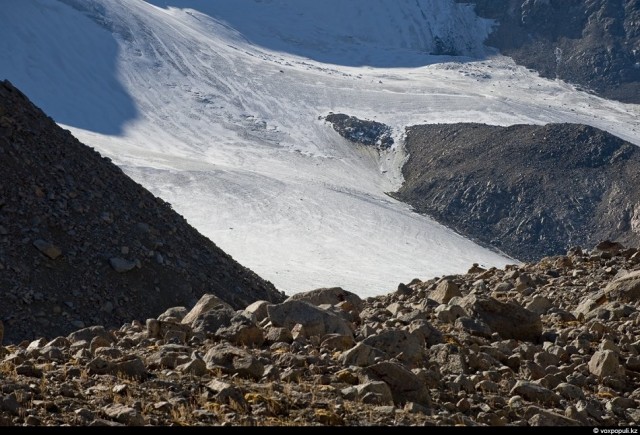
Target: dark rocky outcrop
<point>527,190</point>
<point>81,243</point>
<point>365,132</point>
<point>592,43</point>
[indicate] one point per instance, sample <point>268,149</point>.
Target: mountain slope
<point>532,191</point>
<point>593,43</point>
<point>219,110</point>
<point>82,243</point>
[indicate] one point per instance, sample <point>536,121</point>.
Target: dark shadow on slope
<point>380,33</point>
<point>67,63</point>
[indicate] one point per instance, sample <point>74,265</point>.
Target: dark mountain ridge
<point>591,43</point>
<point>82,243</point>
<point>530,191</point>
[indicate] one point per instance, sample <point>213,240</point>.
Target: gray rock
<point>449,313</point>
<point>47,248</point>
<point>122,265</point>
<point>541,417</point>
<point>259,310</point>
<point>337,342</point>
<point>177,313</point>
<point>87,334</point>
<point>233,360</point>
<point>124,414</point>
<point>473,326</point>
<point>210,321</point>
<point>331,296</point>
<point>625,288</point>
<point>444,291</point>
<point>316,321</point>
<point>206,303</point>
<point>539,305</point>
<point>510,320</point>
<point>397,343</point>
<point>377,392</point>
<point>405,385</point>
<point>569,391</point>
<point>278,334</point>
<point>242,331</point>
<point>450,358</point>
<point>605,363</point>
<point>535,393</point>
<point>361,355</point>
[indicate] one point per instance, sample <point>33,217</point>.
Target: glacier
<point>217,108</point>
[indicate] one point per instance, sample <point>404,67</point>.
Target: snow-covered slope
<point>215,107</point>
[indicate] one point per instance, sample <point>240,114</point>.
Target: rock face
<point>81,243</point>
<point>387,368</point>
<point>592,43</point>
<point>530,191</point>
<point>369,133</point>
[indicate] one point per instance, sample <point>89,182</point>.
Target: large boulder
<point>233,361</point>
<point>206,303</point>
<point>510,320</point>
<point>315,320</point>
<point>404,384</point>
<point>626,288</point>
<point>331,296</point>
<point>397,343</point>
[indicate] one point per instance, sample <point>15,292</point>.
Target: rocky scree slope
<point>81,243</point>
<point>592,43</point>
<point>527,190</point>
<point>551,343</point>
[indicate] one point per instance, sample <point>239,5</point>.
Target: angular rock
<point>625,288</point>
<point>376,392</point>
<point>258,309</point>
<point>122,265</point>
<point>445,291</point>
<point>242,331</point>
<point>47,248</point>
<point>473,326</point>
<point>534,393</point>
<point>177,313</point>
<point>541,417</point>
<point>124,414</point>
<point>316,321</point>
<point>405,385</point>
<point>331,296</point>
<point>397,343</point>
<point>510,320</point>
<point>206,303</point>
<point>361,355</point>
<point>450,358</point>
<point>233,360</point>
<point>606,363</point>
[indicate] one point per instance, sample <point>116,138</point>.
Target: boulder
<point>316,321</point>
<point>510,320</point>
<point>625,289</point>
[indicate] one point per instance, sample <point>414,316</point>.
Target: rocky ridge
<point>591,43</point>
<point>81,243</point>
<point>527,190</point>
<point>551,343</point>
